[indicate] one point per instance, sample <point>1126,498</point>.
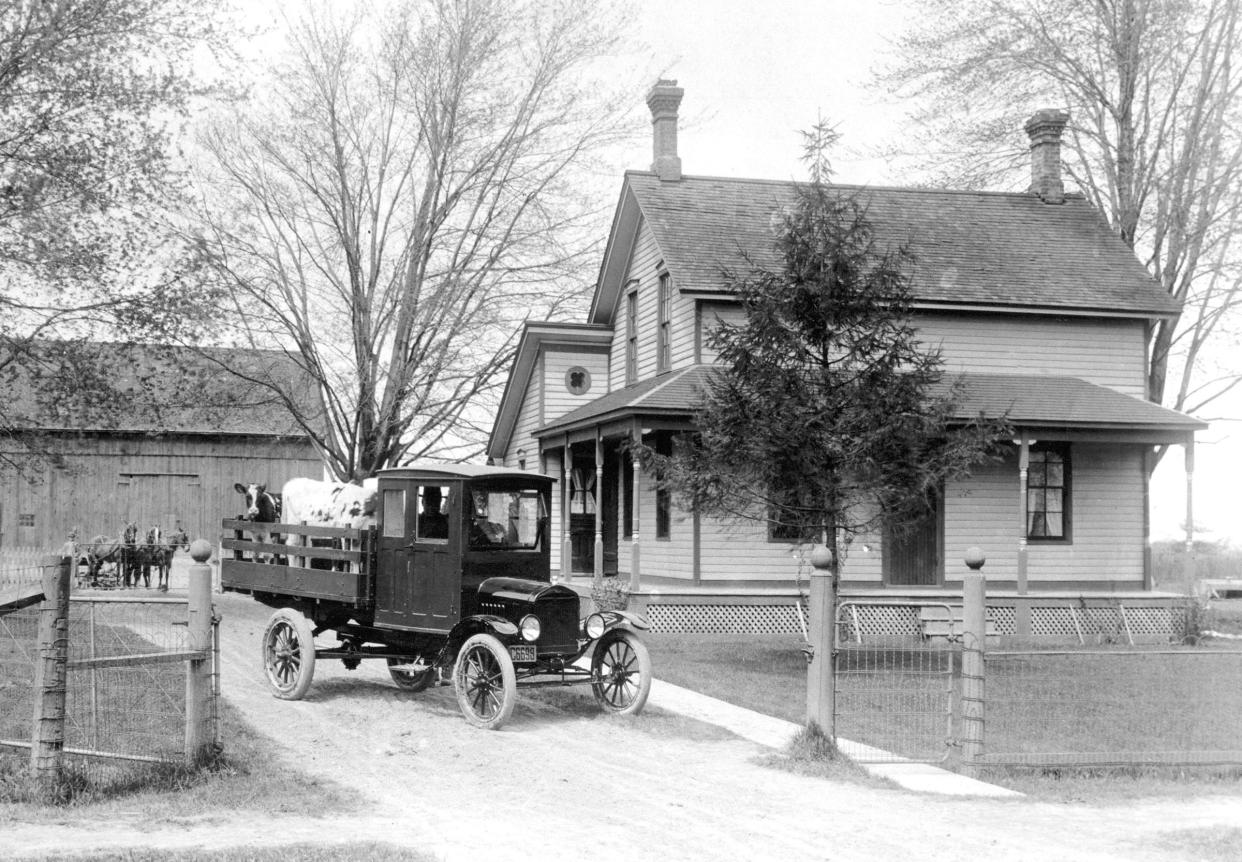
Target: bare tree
<point>1153,92</point>
<point>411,190</point>
<point>93,95</point>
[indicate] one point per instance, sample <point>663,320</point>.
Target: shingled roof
<point>106,387</point>
<point>1028,400</point>
<point>970,248</point>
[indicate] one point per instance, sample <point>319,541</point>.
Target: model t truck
<point>453,574</point>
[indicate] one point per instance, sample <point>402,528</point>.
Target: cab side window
<point>432,518</point>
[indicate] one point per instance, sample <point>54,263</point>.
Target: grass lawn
<point>1071,704</point>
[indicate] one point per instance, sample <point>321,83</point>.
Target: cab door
<point>418,582</point>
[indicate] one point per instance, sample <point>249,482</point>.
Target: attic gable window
<point>665,309</point>
<point>1048,493</point>
<point>631,337</point>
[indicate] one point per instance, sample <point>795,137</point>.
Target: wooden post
<point>635,553</point>
<point>199,733</point>
<point>1188,562</point>
<point>974,644</point>
<point>598,577</point>
<point>567,496</point>
<point>1024,464</point>
<point>821,693</point>
<point>51,670</point>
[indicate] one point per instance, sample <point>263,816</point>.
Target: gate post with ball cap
<point>820,684</point>
<point>199,733</point>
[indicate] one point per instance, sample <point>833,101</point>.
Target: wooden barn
<point>1033,302</point>
<point>161,440</point>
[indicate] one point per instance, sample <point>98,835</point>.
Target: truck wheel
<point>410,680</point>
<point>288,654</point>
<point>484,681</point>
<point>621,673</point>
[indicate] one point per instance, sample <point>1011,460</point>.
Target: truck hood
<point>522,590</point>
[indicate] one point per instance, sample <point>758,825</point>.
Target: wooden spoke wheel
<point>288,654</point>
<point>409,680</point>
<point>485,683</point>
<point>621,673</point>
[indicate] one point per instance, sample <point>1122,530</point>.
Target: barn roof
<point>971,248</point>
<point>111,387</point>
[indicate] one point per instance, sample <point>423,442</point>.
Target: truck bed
<point>336,574</point>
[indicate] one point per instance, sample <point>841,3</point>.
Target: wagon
<point>455,574</point>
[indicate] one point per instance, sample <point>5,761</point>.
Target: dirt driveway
<point>563,782</point>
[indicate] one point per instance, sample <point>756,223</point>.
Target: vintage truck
<point>455,573</point>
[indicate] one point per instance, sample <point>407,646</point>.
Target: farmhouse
<point>168,446</point>
<point>1031,299</point>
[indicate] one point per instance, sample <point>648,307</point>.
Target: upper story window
<point>1048,492</point>
<point>631,337</point>
<point>664,348</point>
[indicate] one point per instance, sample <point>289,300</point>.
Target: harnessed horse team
<point>133,560</point>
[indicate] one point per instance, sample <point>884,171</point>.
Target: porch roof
<point>1046,403</point>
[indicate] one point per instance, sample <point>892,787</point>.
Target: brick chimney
<point>1044,129</point>
<point>663,101</point>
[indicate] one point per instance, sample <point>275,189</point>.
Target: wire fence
<point>1113,707</point>
<point>902,694</point>
<point>126,681</point>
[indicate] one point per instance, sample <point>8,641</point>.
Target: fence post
<point>821,694</point>
<point>51,669</point>
<point>198,682</point>
<point>974,641</point>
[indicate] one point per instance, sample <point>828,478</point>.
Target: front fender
<point>624,620</point>
<point>490,624</point>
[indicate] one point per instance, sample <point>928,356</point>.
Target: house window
<point>631,337</point>
<point>664,446</point>
<point>779,531</point>
<point>663,353</point>
<point>578,380</point>
<point>1048,492</point>
<point>627,495</point>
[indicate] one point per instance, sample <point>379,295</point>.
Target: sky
<point>755,73</point>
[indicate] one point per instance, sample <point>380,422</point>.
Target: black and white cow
<point>263,508</point>
<point>328,504</point>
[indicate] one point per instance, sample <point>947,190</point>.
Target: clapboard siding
<point>1107,517</point>
<point>710,314</point>
<point>556,397</point>
<point>530,417</point>
<point>1108,352</point>
<point>148,480</point>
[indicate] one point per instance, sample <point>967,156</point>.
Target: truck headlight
<point>593,626</point>
<point>530,627</point>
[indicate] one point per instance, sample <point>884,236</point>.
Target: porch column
<point>1024,463</point>
<point>567,551</point>
<point>1188,562</point>
<point>599,509</point>
<point>634,550</point>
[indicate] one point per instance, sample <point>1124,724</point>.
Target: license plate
<point>524,653</point>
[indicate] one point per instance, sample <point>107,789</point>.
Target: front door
<point>418,582</point>
<point>913,557</point>
<point>582,502</point>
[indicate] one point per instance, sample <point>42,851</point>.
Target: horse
<point>100,550</point>
<point>160,549</point>
<point>262,508</point>
<point>129,555</point>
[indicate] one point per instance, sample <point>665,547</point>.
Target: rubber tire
<point>618,658</point>
<point>288,649</point>
<point>410,680</point>
<point>485,683</point>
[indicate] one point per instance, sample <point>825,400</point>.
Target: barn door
<point>913,557</point>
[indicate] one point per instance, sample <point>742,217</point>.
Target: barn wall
<point>110,480</point>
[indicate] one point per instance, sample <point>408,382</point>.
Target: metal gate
<point>896,670</point>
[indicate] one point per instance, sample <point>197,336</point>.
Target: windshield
<point>508,520</point>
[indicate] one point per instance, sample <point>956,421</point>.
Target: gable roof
<point>971,249</point>
<point>1029,400</point>
<point>126,388</point>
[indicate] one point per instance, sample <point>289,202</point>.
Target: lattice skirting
<point>724,619</point>
<point>902,620</point>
